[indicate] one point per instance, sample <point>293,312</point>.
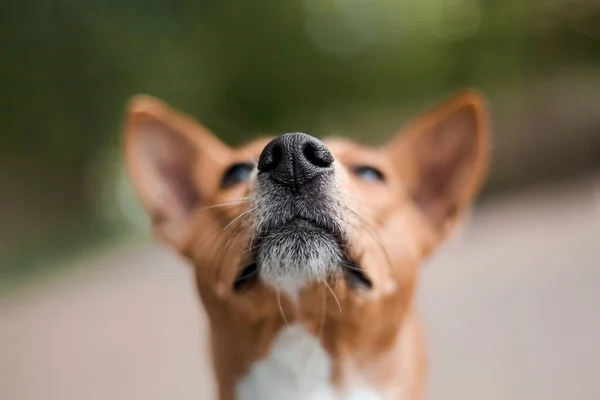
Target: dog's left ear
<point>442,157</point>
<point>171,159</point>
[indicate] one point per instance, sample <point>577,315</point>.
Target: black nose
<point>294,159</point>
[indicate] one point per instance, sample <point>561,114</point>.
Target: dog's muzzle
<point>299,231</point>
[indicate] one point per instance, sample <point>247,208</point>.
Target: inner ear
<point>443,157</point>
<point>446,155</point>
<point>164,150</point>
<point>167,161</point>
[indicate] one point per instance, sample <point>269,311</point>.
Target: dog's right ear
<point>443,156</point>
<point>165,152</point>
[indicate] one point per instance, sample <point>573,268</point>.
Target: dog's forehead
<point>341,146</point>
<point>351,152</point>
<point>255,147</point>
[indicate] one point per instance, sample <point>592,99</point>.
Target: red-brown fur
<point>434,168</point>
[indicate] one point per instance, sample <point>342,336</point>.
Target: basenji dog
<point>306,253</point>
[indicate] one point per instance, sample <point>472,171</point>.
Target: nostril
<point>293,159</point>
<point>317,155</point>
<point>271,158</point>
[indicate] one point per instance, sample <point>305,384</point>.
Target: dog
<point>307,253</point>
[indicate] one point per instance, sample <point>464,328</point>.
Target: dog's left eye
<point>368,174</point>
<point>235,174</point>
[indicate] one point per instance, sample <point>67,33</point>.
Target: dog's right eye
<point>368,174</point>
<point>235,174</point>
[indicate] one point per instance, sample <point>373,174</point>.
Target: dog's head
<point>292,213</point>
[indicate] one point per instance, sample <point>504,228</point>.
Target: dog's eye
<point>235,174</point>
<point>368,174</point>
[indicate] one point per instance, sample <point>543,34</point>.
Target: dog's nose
<point>294,159</point>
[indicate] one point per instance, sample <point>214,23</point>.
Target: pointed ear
<point>165,152</point>
<point>442,156</point>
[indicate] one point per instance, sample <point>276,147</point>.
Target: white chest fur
<point>297,368</point>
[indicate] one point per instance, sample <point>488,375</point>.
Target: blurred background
<point>81,283</point>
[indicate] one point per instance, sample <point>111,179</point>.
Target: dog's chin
<point>297,253</point>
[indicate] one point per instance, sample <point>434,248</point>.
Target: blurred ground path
<point>512,309</point>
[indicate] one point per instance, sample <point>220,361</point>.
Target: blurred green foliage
<point>244,66</point>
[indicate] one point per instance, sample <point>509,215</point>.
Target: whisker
<point>334,296</point>
<point>228,242</point>
<point>252,246</point>
<point>242,215</point>
<point>225,249</point>
<point>374,235</point>
<point>281,308</point>
<point>251,249</point>
<point>223,244</point>
<point>230,203</point>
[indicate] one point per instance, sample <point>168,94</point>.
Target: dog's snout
<point>295,158</point>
